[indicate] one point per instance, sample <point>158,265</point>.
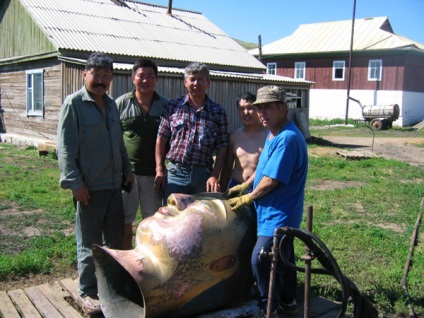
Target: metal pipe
<point>169,11</point>
<point>350,61</point>
<point>260,47</point>
<point>274,260</point>
<point>409,259</point>
<point>308,259</point>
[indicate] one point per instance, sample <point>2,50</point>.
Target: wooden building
<point>45,45</point>
<point>385,69</point>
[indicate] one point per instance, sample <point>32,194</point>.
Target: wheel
<point>386,124</point>
<point>376,124</point>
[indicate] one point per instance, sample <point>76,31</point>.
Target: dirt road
<point>402,149</point>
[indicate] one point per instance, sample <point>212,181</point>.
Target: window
<point>271,68</point>
<point>34,92</point>
<point>299,70</point>
<point>338,70</point>
<point>374,70</point>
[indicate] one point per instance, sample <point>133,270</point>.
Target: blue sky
<point>275,19</point>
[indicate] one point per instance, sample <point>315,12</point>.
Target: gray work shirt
<point>90,147</point>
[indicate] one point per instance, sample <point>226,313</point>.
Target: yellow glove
<point>238,202</point>
<point>237,190</point>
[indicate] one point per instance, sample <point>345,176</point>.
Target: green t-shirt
<point>140,130</point>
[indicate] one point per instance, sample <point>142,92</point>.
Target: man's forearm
<point>265,186</point>
<point>160,155</point>
<point>219,162</point>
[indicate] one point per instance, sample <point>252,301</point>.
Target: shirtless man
<point>245,144</point>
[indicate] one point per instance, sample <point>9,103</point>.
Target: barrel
<point>381,111</point>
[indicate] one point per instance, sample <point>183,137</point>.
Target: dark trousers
<point>100,222</point>
<point>285,285</point>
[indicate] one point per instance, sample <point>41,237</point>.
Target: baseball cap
<point>269,94</point>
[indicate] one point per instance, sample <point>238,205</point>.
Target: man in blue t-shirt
<point>278,195</point>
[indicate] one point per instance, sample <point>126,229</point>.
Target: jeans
<point>285,285</point>
<point>186,179</point>
<point>100,222</point>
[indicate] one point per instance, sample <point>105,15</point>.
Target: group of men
<point>119,156</point>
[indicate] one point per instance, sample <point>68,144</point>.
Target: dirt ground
<point>401,149</point>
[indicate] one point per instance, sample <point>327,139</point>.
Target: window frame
<point>33,78</point>
<point>372,70</point>
<point>336,67</point>
<point>300,67</point>
<point>268,65</point>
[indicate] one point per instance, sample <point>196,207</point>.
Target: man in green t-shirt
<point>139,112</point>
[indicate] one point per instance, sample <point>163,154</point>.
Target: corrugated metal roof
<point>139,30</point>
<point>370,34</point>
<point>227,74</point>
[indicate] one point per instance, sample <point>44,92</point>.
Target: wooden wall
<point>414,73</point>
<point>19,34</point>
<point>221,90</point>
<point>62,79</point>
<point>401,72</point>
<point>13,89</point>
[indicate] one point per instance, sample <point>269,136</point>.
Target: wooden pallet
<point>71,286</point>
<point>47,300</point>
<point>356,154</point>
<point>60,300</point>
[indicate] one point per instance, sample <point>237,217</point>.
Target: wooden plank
<point>42,303</point>
<point>72,287</point>
<point>24,305</point>
<point>7,309</point>
<point>57,296</point>
<point>356,155</point>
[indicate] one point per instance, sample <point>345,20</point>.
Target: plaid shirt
<point>193,135</point>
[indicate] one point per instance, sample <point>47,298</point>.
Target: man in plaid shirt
<point>193,128</point>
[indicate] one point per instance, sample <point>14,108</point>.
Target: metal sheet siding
<point>137,29</point>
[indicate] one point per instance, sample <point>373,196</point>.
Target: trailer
<point>381,116</point>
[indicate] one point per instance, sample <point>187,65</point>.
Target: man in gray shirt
<point>93,164</point>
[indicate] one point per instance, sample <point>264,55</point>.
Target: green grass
<point>327,122</point>
<point>336,127</point>
<point>367,224</point>
<point>30,199</point>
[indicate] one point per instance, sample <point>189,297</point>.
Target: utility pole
<point>350,62</point>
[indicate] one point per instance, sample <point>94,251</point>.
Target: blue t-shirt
<point>283,158</point>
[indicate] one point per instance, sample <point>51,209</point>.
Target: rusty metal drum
<point>381,111</point>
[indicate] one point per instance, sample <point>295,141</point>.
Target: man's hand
<point>212,185</point>
<point>81,194</point>
<point>159,184</point>
<point>237,190</point>
<point>238,202</point>
<point>128,182</point>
